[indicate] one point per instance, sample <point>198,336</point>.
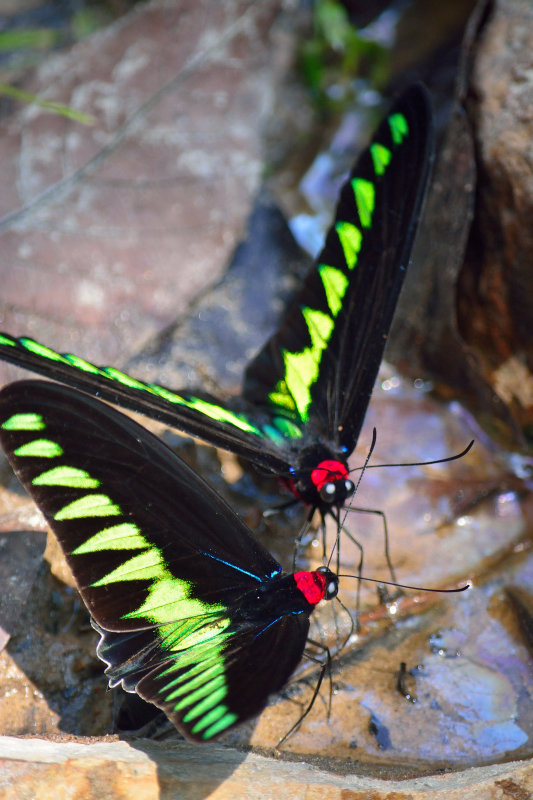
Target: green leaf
<point>56,108</point>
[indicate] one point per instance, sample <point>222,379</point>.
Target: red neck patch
<point>328,471</point>
<point>312,585</point>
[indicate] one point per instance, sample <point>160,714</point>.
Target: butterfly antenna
<point>418,463</point>
<point>406,586</point>
<point>347,508</point>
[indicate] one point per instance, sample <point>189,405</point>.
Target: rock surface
<point>112,242</point>
<point>147,771</point>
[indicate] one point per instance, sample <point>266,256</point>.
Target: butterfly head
<point>331,583</point>
<point>331,481</point>
<point>322,584</point>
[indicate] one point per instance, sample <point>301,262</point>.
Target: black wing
<point>322,363</point>
<point>162,563</point>
<point>239,431</point>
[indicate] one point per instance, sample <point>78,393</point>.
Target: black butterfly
<point>306,393</point>
<point>194,615</point>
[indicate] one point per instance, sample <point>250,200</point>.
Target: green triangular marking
<point>398,128</point>
<point>125,536</point>
<point>24,422</point>
<point>124,379</point>
<point>301,369</point>
<point>381,157</point>
<point>91,505</point>
<point>221,414</point>
<point>143,567</point>
<point>84,366</point>
<point>39,448</point>
<point>364,193</point>
<point>335,284</point>
<point>320,326</point>
<point>300,372</point>
<point>168,598</point>
<point>41,350</point>
<point>350,238</point>
<point>66,476</point>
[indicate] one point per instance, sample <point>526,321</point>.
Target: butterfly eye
<point>332,589</point>
<point>328,492</point>
<point>350,488</point>
<point>331,583</point>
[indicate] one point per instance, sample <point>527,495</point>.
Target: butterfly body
<point>193,614</point>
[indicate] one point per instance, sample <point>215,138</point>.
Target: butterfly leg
<point>301,536</point>
<point>383,517</point>
<point>269,512</point>
<point>353,626</point>
<point>340,527</point>
<point>324,667</point>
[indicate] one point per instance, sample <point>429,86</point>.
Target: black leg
<point>340,527</point>
<point>269,512</point>
<point>323,668</point>
<point>385,534</point>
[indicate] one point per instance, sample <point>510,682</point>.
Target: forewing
<point>147,540</point>
<point>198,415</point>
<point>321,365</point>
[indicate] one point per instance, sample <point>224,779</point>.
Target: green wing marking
<point>211,410</point>
<point>293,391</point>
<point>399,128</point>
<point>278,429</point>
<point>66,476</point>
<point>39,448</point>
<point>381,157</point>
<point>191,635</point>
<point>364,193</point>
<point>24,422</point>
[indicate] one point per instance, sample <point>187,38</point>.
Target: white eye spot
<point>332,587</point>
<point>350,488</point>
<point>328,492</point>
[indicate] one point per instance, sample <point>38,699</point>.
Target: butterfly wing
<point>162,563</point>
<point>256,662</point>
<point>321,365</point>
<point>245,432</point>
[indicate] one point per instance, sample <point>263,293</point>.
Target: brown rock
<point>41,769</point>
<point>133,216</point>
<point>497,284</point>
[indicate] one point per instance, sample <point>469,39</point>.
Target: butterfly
<point>193,613</point>
<point>306,393</point>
